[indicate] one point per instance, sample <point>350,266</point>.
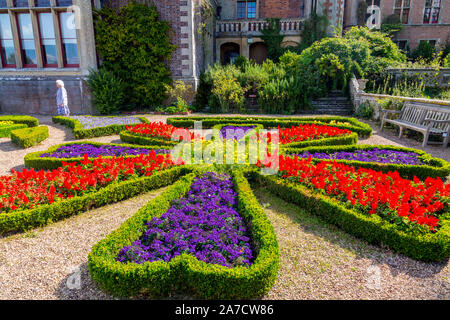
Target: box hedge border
<point>22,220</point>
<point>28,137</point>
<point>354,125</point>
<point>185,273</point>
<point>436,167</point>
<point>80,133</point>
<point>28,120</point>
<point>34,160</point>
<point>5,130</point>
<point>135,138</point>
<point>373,229</point>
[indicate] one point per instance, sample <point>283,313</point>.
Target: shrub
<point>185,274</point>
<point>28,137</point>
<point>81,133</point>
<point>5,130</point>
<point>380,44</point>
<point>108,91</point>
<point>28,120</point>
<point>134,45</point>
<point>365,111</point>
<point>279,96</point>
<point>424,50</point>
<point>227,94</point>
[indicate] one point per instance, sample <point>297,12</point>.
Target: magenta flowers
<point>203,223</point>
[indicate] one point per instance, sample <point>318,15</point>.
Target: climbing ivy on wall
<point>134,44</point>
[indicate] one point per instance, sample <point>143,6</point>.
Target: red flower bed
<point>29,188</point>
<point>306,132</point>
<point>160,130</point>
<point>411,204</point>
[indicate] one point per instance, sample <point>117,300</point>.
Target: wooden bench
<point>425,118</point>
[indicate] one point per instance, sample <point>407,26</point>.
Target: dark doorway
<point>229,52</point>
<point>258,52</point>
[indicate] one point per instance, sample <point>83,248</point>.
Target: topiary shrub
<point>424,50</point>
<point>28,137</point>
<point>134,45</point>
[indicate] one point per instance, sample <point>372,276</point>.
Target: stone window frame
<point>406,43</point>
<point>405,5</point>
<point>437,41</point>
<point>431,7</point>
<point>55,9</point>
<point>246,17</point>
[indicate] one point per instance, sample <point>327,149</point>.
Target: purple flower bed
<point>235,132</point>
<point>79,150</point>
<point>374,155</point>
<point>96,122</point>
<point>203,223</point>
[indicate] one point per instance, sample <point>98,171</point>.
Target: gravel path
<point>38,264</point>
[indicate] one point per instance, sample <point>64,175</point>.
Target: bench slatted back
<point>415,112</point>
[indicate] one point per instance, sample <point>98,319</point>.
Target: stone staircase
<point>335,104</point>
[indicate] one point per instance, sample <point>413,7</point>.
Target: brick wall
<point>280,8</point>
<point>415,30</point>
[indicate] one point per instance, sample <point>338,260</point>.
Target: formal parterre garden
<point>206,235</point>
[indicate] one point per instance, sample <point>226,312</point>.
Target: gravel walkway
<point>39,264</point>
<point>318,261</point>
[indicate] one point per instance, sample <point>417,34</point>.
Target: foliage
<point>365,111</point>
<point>380,44</point>
<point>81,133</point>
<point>108,91</point>
<point>176,101</point>
<point>279,96</point>
<point>314,29</point>
<point>28,120</point>
<point>134,45</point>
<point>273,38</point>
<point>28,137</point>
<point>424,50</point>
<point>5,130</point>
<point>391,25</point>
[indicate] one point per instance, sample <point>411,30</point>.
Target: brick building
<point>45,40</point>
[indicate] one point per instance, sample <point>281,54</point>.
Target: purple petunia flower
<point>373,155</point>
<point>79,150</point>
<point>203,223</point>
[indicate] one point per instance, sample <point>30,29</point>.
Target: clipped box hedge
<point>371,228</point>
<point>81,133</point>
<point>186,274</point>
<point>35,161</point>
<point>21,220</point>
<point>28,120</point>
<point>434,167</point>
<point>351,124</point>
<point>28,137</point>
<point>135,138</point>
<point>6,129</point>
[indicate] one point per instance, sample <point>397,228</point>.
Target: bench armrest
<point>436,121</point>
